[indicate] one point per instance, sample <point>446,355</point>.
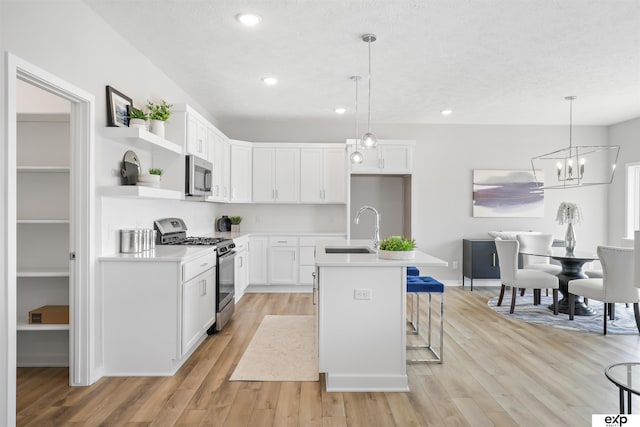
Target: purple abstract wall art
<point>507,193</point>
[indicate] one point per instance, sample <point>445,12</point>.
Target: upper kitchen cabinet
<point>276,174</point>
<point>240,171</point>
<point>221,158</point>
<point>323,175</point>
<point>188,128</point>
<point>389,157</point>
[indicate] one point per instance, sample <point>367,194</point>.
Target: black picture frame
<point>118,106</point>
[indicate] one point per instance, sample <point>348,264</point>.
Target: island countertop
<point>324,259</point>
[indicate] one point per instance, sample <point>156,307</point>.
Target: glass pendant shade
<point>356,157</point>
<point>576,165</point>
<point>369,140</point>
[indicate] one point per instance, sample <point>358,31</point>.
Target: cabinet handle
<point>314,287</point>
<point>204,264</point>
<point>241,262</point>
<point>282,241</point>
<point>276,194</point>
<point>273,194</point>
<point>382,160</point>
<point>493,259</point>
<point>233,192</point>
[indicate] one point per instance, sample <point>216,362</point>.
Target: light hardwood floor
<point>497,371</point>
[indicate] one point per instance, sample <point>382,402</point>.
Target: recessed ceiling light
<point>269,80</point>
<point>248,19</point>
<point>341,110</point>
<point>446,112</point>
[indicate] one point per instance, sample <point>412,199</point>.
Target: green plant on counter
<point>397,243</point>
<point>160,111</point>
<point>155,171</point>
<point>136,113</point>
<point>235,220</point>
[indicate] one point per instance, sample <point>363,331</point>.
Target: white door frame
<point>82,217</point>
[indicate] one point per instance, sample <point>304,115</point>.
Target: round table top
<point>561,253</point>
<point>625,375</point>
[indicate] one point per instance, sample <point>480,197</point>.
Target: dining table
<point>571,263</point>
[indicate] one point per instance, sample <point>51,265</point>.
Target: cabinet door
<point>287,174</point>
<point>335,176</point>
<point>370,161</point>
<point>263,165</point>
<point>226,173</point>
<point>283,265</point>
<point>258,256</point>
<point>395,158</point>
<point>196,138</point>
<point>240,173</point>
<point>241,278</point>
<point>311,175</point>
<point>198,308</point>
<point>220,167</point>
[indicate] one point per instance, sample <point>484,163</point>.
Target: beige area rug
<point>282,349</point>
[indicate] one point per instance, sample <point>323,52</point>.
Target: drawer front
<point>307,255</point>
<point>196,266</point>
<point>241,245</point>
<point>308,241</point>
<point>283,241</point>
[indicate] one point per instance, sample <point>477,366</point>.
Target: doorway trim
<point>82,270</point>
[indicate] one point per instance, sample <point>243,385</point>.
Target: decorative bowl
<point>396,254</point>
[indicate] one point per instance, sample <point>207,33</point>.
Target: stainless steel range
<point>173,231</point>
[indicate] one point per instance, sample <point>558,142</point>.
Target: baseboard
<point>279,289</point>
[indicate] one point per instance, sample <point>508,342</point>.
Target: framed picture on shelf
<point>118,105</point>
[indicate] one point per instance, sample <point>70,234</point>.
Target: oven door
<point>226,283</point>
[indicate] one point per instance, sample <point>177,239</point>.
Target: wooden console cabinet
<point>479,260</point>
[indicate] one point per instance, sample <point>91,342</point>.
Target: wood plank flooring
<point>497,372</point>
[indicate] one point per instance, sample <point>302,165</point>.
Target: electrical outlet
<point>455,265</point>
<point>363,294</point>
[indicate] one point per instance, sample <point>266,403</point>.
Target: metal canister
<point>130,241</point>
<point>147,239</point>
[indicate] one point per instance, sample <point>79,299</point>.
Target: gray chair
<point>511,275</point>
<point>616,285</point>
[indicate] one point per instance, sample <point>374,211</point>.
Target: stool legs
<point>436,357</point>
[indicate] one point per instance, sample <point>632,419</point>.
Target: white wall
<point>627,136</point>
<point>445,157</point>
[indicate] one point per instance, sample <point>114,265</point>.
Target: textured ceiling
<point>491,61</point>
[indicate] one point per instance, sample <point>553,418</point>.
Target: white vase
<point>396,254</point>
<point>156,127</point>
<point>149,180</point>
<point>235,228</point>
<point>137,123</point>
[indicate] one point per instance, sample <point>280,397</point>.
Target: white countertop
<point>369,260</point>
<point>161,253</point>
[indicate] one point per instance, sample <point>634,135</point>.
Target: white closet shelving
<point>43,223</point>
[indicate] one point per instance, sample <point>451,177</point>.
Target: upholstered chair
<point>540,244</point>
<point>511,275</point>
<point>616,285</point>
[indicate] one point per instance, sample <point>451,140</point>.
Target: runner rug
<point>282,349</point>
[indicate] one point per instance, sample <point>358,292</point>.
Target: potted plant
<point>235,223</point>
<point>138,118</point>
<point>151,179</point>
<point>569,213</point>
<point>397,247</point>
<point>158,115</point>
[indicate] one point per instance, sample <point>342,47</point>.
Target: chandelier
<point>576,165</point>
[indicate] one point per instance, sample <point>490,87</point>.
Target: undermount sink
<point>348,250</point>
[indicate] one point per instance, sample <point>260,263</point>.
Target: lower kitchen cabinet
<point>283,260</point>
<point>157,309</point>
<point>241,267</point>
<point>258,255</point>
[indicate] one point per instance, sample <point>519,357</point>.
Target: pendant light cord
<point>356,78</point>
<point>369,94</point>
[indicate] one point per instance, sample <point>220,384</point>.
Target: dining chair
<point>511,275</point>
<point>540,244</point>
<point>616,285</point>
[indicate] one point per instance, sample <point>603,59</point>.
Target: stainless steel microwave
<point>198,177</point>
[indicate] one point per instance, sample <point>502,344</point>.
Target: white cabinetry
<point>221,160</point>
<point>307,259</point>
<point>43,236</point>
<point>258,255</point>
<point>276,175</point>
<point>156,310</point>
<point>323,175</point>
<point>241,266</point>
<point>197,135</point>
<point>392,157</point>
<point>283,260</point>
<point>240,171</point>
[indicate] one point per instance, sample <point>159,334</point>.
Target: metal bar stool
<point>415,286</point>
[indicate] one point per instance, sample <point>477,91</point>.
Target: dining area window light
<point>632,199</point>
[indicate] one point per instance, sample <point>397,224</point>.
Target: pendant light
<point>576,165</point>
<point>369,140</point>
<point>356,157</point>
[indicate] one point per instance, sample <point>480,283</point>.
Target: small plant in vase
<point>151,179</point>
<point>397,247</point>
<point>569,213</point>
<point>235,223</point>
<point>137,118</point>
<point>158,115</point>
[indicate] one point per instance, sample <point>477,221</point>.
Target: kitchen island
<point>361,315</point>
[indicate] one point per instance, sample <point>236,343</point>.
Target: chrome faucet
<point>376,232</point>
